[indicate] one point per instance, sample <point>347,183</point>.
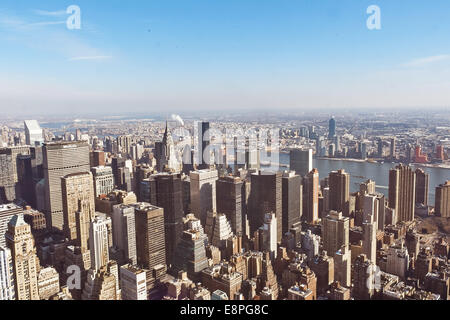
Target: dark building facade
<point>292,204</point>
<point>230,201</point>
<point>422,185</point>
<point>265,197</point>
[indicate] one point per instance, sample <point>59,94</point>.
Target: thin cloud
<point>90,58</point>
<point>45,23</point>
<point>427,60</point>
<point>50,13</point>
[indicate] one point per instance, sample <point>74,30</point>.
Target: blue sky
<point>182,55</point>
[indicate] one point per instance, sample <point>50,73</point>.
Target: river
<point>361,171</point>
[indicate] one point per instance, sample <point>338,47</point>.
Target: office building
<point>203,145</point>
<point>133,283</point>
<point>150,238</point>
<point>23,252</point>
<point>292,196</point>
<point>103,180</point>
<point>402,193</point>
<point>335,233</point>
<point>311,197</point>
<point>230,201</point>
<point>59,160</point>
<point>99,243</point>
<point>124,233</point>
<point>168,195</point>
<point>78,207</point>
<point>370,240</point>
<point>265,196</point>
<point>203,192</point>
<point>7,211</point>
<point>301,161</point>
<point>339,182</point>
<point>48,283</point>
<point>33,133</point>
<point>422,186</point>
<point>331,128</point>
<point>7,290</point>
<point>442,201</point>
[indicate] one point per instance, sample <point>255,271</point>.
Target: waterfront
<point>361,171</point>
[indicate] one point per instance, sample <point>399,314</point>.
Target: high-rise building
<point>442,205</point>
<point>100,285</point>
<point>166,158</point>
<point>7,184</point>
<point>61,159</point>
<point>331,128</point>
<point>370,240</point>
<point>7,291</point>
<point>230,201</point>
<point>301,161</point>
<point>203,192</point>
<point>218,229</point>
<point>133,283</point>
<point>265,196</point>
<point>392,150</point>
<point>339,182</point>
<point>311,197</point>
<point>190,254</point>
<point>267,241</point>
<point>48,283</point>
<point>33,133</point>
<point>26,263</point>
<point>7,211</point>
<point>103,180</point>
<point>124,143</point>
<point>422,185</point>
<point>402,193</point>
<point>78,207</point>
<point>99,242</point>
<point>343,266</point>
<point>150,239</point>
<point>124,232</point>
<point>364,278</point>
<point>8,173</point>
<point>368,187</point>
<point>168,195</point>
<point>292,196</point>
<point>203,145</point>
<point>335,232</point>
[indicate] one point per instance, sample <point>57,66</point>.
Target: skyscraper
<point>422,185</point>
<point>124,232</point>
<point>292,205</point>
<point>402,185</point>
<point>442,205</point>
<point>230,201</point>
<point>203,145</point>
<point>335,232</point>
<point>7,184</point>
<point>203,192</point>
<point>150,239</point>
<point>311,196</point>
<point>78,207</point>
<point>339,182</point>
<point>103,180</point>
<point>169,197</point>
<point>301,161</point>
<point>33,133</point>
<point>99,242</point>
<point>7,211</point>
<point>392,153</point>
<point>370,240</point>
<point>331,128</point>
<point>166,158</point>
<point>61,159</point>
<point>7,291</point>
<point>20,240</point>
<point>265,197</point>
